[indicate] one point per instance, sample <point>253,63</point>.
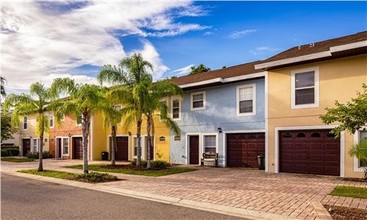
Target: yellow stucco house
<point>301,83</point>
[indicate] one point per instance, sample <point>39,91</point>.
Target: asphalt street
<point>23,198</point>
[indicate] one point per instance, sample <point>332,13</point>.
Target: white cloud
<point>262,50</point>
<point>182,71</point>
<point>40,43</point>
<point>239,34</point>
<point>150,54</point>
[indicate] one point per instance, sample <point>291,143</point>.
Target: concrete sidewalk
<point>239,192</point>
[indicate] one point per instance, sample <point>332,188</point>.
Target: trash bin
<point>104,155</point>
<point>261,161</point>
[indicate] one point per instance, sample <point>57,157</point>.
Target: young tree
<point>34,104</point>
<point>84,100</point>
<point>352,116</point>
<point>6,128</point>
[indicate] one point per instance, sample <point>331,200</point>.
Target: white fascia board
<point>215,80</point>
<point>244,77</point>
<point>294,60</point>
<point>348,46</point>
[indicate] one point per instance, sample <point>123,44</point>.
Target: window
<point>118,108</point>
<point>25,123</point>
<point>198,101</point>
<point>176,108</point>
<point>135,146</point>
<point>51,121</point>
<point>79,120</point>
<point>65,146</point>
<point>210,143</point>
<point>35,145</point>
<point>362,135</point>
<point>246,99</point>
<point>305,91</point>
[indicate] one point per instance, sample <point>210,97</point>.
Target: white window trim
<point>317,88</point>
<point>76,120</point>
<point>24,122</point>
<point>143,148</point>
<point>180,107</point>
<point>192,101</point>
<point>62,146</point>
<point>53,120</point>
<point>37,144</point>
<point>253,86</point>
<point>202,144</point>
<point>356,167</point>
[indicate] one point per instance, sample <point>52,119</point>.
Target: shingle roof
<point>233,71</point>
<point>317,47</point>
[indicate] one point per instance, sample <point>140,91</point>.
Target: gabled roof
<point>233,73</point>
<point>320,50</point>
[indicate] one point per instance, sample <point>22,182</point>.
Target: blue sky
<point>45,40</point>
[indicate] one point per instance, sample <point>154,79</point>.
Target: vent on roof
<point>312,45</point>
<point>299,47</point>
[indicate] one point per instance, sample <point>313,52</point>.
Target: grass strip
<point>350,191</point>
<point>17,159</point>
<point>135,171</point>
<point>92,177</point>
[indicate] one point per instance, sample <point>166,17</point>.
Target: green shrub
<point>143,163</point>
<point>35,155</point>
<point>4,153</point>
<point>159,164</point>
<point>95,177</point>
<point>13,151</point>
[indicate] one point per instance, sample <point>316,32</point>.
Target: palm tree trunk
<point>149,125</point>
<point>113,145</point>
<point>138,135</point>
<point>40,156</point>
<point>85,130</point>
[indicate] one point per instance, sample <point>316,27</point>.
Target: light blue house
<point>222,111</point>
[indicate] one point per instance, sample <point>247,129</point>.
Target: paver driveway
<point>266,195</point>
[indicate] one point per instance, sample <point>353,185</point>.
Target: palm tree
<point>34,104</point>
<point>132,77</point>
<point>360,151</point>
<point>84,100</point>
<point>156,93</point>
<point>112,116</point>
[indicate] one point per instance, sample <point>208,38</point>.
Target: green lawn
<point>92,177</point>
<point>17,159</point>
<point>350,191</point>
<point>143,172</point>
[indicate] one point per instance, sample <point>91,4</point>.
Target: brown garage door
<point>122,148</point>
<point>77,148</point>
<point>309,151</point>
<point>243,149</point>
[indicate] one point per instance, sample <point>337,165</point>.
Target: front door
<point>77,148</point>
<point>194,149</point>
<point>58,148</point>
<point>26,146</point>
<point>122,151</point>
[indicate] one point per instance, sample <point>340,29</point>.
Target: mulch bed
<point>129,166</point>
<point>355,179</point>
<point>344,213</point>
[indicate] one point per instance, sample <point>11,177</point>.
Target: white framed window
<point>176,108</point>
<point>79,120</point>
<point>35,145</point>
<point>65,146</point>
<point>246,100</point>
<point>25,123</point>
<point>210,143</point>
<point>142,144</point>
<point>51,120</point>
<point>305,88</point>
<point>198,101</point>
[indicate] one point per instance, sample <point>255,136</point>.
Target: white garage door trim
<point>276,152</point>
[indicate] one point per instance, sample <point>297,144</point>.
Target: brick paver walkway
<point>287,195</point>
